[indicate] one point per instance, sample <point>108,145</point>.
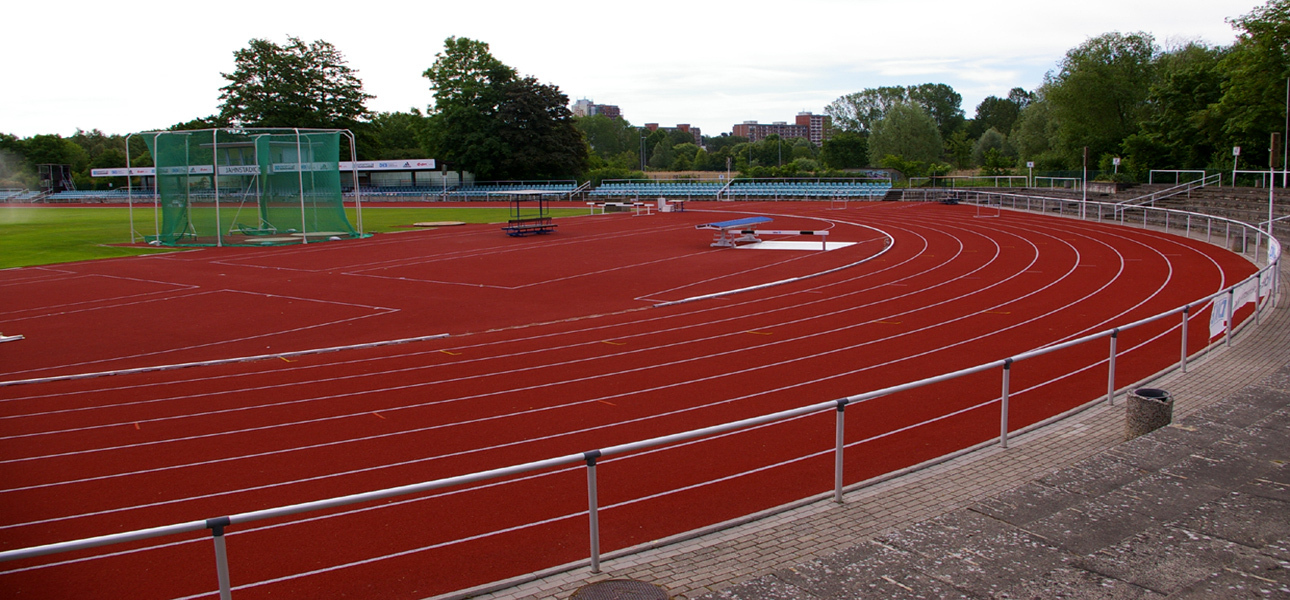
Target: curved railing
<point>1258,288</point>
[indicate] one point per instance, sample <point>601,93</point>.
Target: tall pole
<point>129,189</point>
<point>1083,206</point>
<point>1272,166</point>
<point>300,176</point>
<point>1236,156</point>
<point>219,231</point>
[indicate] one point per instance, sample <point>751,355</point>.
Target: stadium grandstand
<point>781,189</point>
<point>468,191</point>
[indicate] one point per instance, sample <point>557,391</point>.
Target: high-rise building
<point>815,128</point>
<point>819,127</point>
<point>587,108</point>
<point>693,131</point>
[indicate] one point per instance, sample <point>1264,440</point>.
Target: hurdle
<point>998,209</point>
<point>10,338</point>
<point>823,233</point>
<point>835,200</point>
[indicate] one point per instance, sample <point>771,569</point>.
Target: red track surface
<point>555,349</point>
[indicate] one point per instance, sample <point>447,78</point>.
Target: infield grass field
<point>46,235</point>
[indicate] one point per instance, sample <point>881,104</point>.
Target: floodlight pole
<point>1272,183</point>
<point>219,224</point>
<point>300,175</point>
<point>1083,206</point>
<point>129,196</point>
<point>156,191</point>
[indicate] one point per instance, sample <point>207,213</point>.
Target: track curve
<point>561,353</point>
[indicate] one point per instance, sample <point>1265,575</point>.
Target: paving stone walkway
<point>1198,509</point>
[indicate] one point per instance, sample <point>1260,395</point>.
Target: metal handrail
<point>589,458</point>
<point>1181,188</point>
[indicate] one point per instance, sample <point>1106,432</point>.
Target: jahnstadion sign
<point>363,165</point>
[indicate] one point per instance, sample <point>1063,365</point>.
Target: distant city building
<point>815,128</point>
<point>587,108</point>
<point>818,127</point>
<point>694,131</point>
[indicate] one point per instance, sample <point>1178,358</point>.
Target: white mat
<point>780,245</point>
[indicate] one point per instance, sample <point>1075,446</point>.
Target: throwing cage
<point>250,187</point>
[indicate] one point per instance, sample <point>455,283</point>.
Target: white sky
<point>132,65</point>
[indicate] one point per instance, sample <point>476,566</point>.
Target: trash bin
<point>1148,409</point>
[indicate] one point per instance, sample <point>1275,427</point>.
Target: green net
<point>240,187</point>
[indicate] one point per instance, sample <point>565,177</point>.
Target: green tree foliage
<point>467,82</point>
<point>958,149</point>
<point>941,102</point>
<point>609,137</point>
<point>989,141</point>
<point>859,112</point>
<point>536,126</point>
<point>999,113</point>
<point>490,122</point>
<point>907,132</point>
<point>398,135</point>
<point>296,85</point>
<point>845,150</point>
<point>1098,95</point>
<point>1253,103</point>
<point>1035,136</point>
<point>1181,130</point>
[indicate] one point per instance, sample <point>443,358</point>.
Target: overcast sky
<point>128,65</point>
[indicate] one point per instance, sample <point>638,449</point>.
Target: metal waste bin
<point>1148,409</point>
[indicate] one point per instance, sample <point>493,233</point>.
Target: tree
<point>958,149</point>
<point>1254,95</point>
<point>296,85</point>
<point>907,132</point>
<point>608,136</point>
<point>999,113</point>
<point>1181,131</point>
<point>1035,136</point>
<point>398,135</point>
<point>1099,93</point>
<point>536,126</point>
<point>859,111</point>
<point>845,150</point>
<point>943,103</point>
<point>991,140</point>
<point>488,121</point>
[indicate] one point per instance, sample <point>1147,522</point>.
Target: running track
<point>555,348</point>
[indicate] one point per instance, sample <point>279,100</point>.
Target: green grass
<point>46,235</point>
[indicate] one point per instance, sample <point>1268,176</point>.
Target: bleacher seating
<point>807,189</point>
<point>648,189</point>
<point>470,191</point>
<point>759,189</point>
<point>99,196</point>
<point>18,195</point>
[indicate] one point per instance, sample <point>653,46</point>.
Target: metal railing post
<point>1186,314</point>
<point>839,447</point>
<point>1003,404</point>
<point>221,555</point>
<point>1110,369</point>
<point>1231,316</point>
<point>593,509</point>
